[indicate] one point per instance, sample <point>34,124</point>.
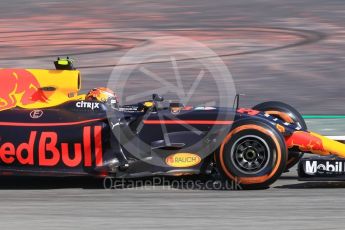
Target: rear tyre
<point>288,114</point>
<point>253,154</point>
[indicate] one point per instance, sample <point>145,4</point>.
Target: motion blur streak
<point>294,48</point>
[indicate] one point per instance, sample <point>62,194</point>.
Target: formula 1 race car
<point>48,129</point>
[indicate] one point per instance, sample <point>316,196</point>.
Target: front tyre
<point>289,114</point>
<point>253,154</point>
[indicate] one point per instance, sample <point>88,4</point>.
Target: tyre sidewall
<point>277,161</point>
<point>293,156</point>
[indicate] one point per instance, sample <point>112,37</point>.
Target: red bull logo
<point>305,142</point>
<point>19,86</point>
<point>52,152</point>
<point>315,143</point>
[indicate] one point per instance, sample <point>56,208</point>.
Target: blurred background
<point>291,51</point>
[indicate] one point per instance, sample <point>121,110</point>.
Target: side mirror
<point>156,97</point>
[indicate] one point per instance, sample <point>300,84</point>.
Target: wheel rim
<point>250,154</point>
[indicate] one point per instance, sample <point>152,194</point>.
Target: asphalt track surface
<point>81,204</point>
<point>276,50</point>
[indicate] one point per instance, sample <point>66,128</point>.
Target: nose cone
<point>315,143</point>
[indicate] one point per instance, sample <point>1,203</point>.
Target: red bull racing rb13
<point>47,128</point>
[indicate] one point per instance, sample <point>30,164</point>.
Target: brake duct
<point>315,143</point>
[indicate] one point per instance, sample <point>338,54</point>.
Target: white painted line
<point>337,138</point>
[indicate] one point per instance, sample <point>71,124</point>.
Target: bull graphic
<point>19,86</point>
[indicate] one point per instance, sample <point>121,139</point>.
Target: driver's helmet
<point>102,94</point>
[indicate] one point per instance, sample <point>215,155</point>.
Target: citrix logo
<point>89,105</point>
<point>312,167</point>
